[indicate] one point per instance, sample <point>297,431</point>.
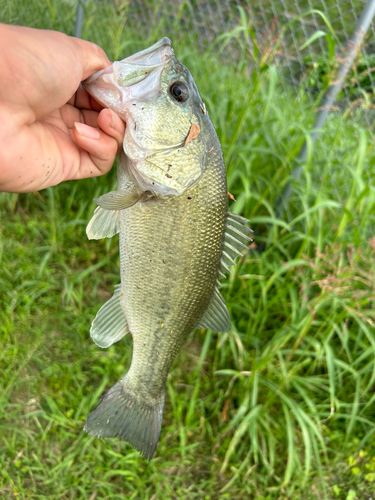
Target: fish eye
<point>179,91</point>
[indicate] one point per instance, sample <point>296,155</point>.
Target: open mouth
<point>135,77</point>
<point>160,52</point>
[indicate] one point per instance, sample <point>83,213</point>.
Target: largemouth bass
<point>177,239</point>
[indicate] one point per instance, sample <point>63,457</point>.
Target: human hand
<point>51,129</point>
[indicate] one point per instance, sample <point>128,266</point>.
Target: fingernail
<point>86,131</point>
<point>112,124</point>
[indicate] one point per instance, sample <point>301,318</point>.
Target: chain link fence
<point>311,37</point>
<point>307,41</point>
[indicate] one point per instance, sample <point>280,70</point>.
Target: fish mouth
<point>135,77</point>
<point>156,54</point>
<point>119,87</point>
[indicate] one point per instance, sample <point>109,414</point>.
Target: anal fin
<point>216,316</point>
<point>109,325</point>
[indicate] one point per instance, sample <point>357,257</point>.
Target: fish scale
<point>177,239</point>
<point>178,249</point>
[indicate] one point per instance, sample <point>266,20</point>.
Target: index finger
<point>83,100</point>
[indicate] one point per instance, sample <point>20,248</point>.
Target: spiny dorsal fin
<point>109,325</point>
<point>235,242</point>
<point>216,316</point>
<point>103,224</point>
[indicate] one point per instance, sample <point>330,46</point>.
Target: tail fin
<point>125,415</point>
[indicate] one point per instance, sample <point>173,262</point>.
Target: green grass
<point>282,407</point>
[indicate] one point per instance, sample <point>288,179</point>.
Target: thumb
<point>99,146</point>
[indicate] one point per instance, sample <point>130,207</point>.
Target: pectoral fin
<point>216,316</point>
<point>103,224</point>
<point>118,200</point>
<point>109,325</point>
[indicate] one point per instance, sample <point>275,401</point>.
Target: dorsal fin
<point>216,316</point>
<point>235,243</point>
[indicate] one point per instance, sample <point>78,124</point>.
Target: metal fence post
<point>79,19</point>
<point>352,50</point>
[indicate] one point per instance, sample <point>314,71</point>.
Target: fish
<point>177,239</point>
